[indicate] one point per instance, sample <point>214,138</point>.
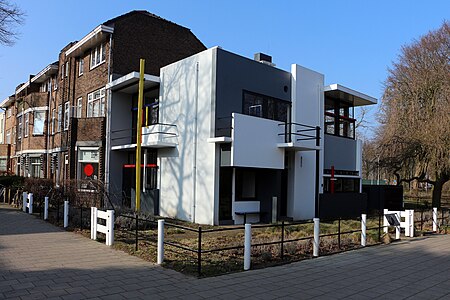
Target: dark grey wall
<point>235,74</point>
<point>339,152</point>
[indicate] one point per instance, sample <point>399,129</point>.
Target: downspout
<point>194,170</point>
<point>108,119</point>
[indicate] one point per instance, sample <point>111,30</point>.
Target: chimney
<point>264,58</point>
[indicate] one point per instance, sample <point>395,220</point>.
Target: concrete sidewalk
<point>40,261</point>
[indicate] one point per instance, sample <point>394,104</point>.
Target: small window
<point>27,124</point>
<point>79,107</point>
<point>39,121</point>
<point>87,160</point>
<point>80,66</point>
<point>8,136</point>
<point>9,112</point>
<point>19,128</point>
<point>66,115</point>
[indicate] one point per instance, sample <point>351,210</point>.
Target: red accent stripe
<point>142,165</point>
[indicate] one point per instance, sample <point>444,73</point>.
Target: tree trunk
<point>437,189</point>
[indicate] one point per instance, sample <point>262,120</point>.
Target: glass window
<point>19,128</point>
<point>35,170</point>
<point>97,56</point>
<point>96,103</point>
<point>79,107</point>
<point>67,69</point>
<point>39,121</point>
<point>66,115</point>
<point>265,107</point>
<point>3,164</point>
<point>27,124</point>
<point>87,166</point>
<point>53,123</point>
<point>59,118</point>
<point>8,136</point>
<point>80,66</point>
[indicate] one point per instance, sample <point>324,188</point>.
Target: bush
<point>12,181</point>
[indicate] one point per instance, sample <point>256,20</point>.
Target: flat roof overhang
<point>7,101</point>
<point>92,39</point>
<point>337,91</point>
<point>129,83</point>
<point>45,73</point>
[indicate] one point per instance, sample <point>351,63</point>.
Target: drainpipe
<point>194,170</point>
<point>108,120</point>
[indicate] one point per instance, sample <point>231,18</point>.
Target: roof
<point>337,91</point>
<point>7,101</point>
<point>111,22</point>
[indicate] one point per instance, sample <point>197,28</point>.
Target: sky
<point>352,42</point>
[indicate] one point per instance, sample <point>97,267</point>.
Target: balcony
<point>156,136</point>
<point>299,137</point>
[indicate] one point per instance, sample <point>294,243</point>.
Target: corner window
<point>96,103</point>
<point>339,119</point>
<point>263,106</point>
<point>66,115</point>
<point>97,56</point>
<point>39,121</point>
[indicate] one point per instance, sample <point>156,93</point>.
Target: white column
<point>46,208</point>
<point>30,203</point>
<point>407,221</point>
<point>435,213</point>
<point>316,237</point>
<point>363,229</point>
<point>411,223</point>
<point>24,200</point>
<point>66,214</point>
<point>247,246</point>
<point>160,258</point>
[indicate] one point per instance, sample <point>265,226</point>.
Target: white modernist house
<point>227,138</point>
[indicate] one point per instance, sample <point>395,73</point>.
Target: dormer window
<point>97,55</point>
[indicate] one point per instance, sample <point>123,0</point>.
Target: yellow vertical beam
<point>139,135</point>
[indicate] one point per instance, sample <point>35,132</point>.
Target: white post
<point>411,223</point>
<point>316,237</point>
<point>385,221</point>
<point>363,229</point>
<point>66,214</point>
<point>407,221</point>
<point>397,228</point>
<point>274,209</point>
<point>30,203</point>
<point>110,227</point>
<point>24,200</point>
<point>160,257</point>
<point>435,219</point>
<point>247,246</point>
<point>93,223</point>
<point>46,208</point>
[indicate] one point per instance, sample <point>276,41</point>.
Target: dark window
<point>341,185</point>
<point>339,119</point>
<point>265,106</point>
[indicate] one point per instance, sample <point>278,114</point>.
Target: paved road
<point>40,261</point>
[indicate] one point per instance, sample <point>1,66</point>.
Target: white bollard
<point>24,200</point>
<point>110,228</point>
<point>363,230</point>
<point>247,246</point>
<point>160,258</point>
<point>435,219</point>
<point>316,237</point>
<point>385,221</point>
<point>411,223</point>
<point>93,223</point>
<point>407,221</point>
<point>30,203</point>
<point>66,214</point>
<point>46,208</point>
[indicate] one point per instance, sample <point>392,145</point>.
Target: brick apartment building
<point>55,122</point>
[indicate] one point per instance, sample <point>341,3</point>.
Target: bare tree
<point>414,137</point>
<point>10,17</point>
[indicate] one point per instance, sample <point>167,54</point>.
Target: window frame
<point>79,107</point>
<point>26,125</point>
<point>59,118</point>
<point>80,66</point>
<point>97,56</point>
<point>66,115</point>
<point>35,122</point>
<point>19,127</point>
<point>92,101</point>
